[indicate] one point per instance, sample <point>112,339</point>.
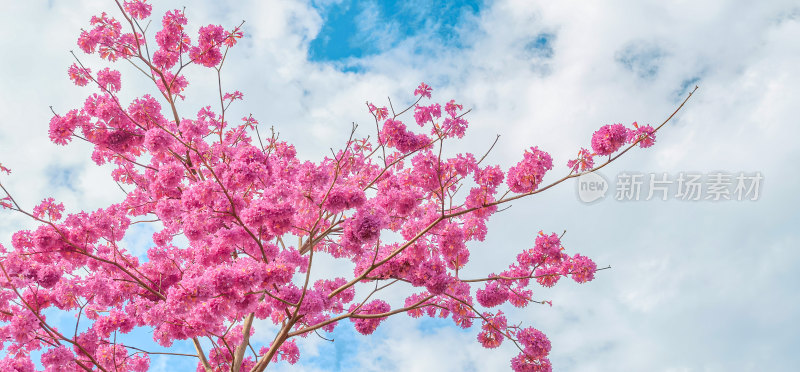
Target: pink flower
<point>527,174</point>
<point>174,84</point>
<point>536,347</point>
<point>424,114</point>
<point>343,198</point>
<point>138,363</point>
<point>171,39</point>
<point>230,40</point>
<point>211,35</point>
<point>165,59</point>
<point>491,335</point>
<point>609,138</point>
<point>489,177</point>
<point>423,90</point>
<point>364,227</point>
<point>549,245</point>
<point>48,276</point>
<point>520,297</point>
<point>21,362</point>
<point>62,127</point>
<point>48,208</point>
<point>104,33</point>
<point>106,38</point>
<point>524,363</point>
<point>79,75</point>
<point>118,140</point>
<point>411,300</point>
<point>230,97</point>
<point>109,79</point>
<point>492,295</point>
<point>584,162</point>
<point>438,284</point>
<point>170,175</point>
<point>138,8</point>
<point>395,134</point>
<point>193,129</point>
<point>645,134</point>
<point>379,112</point>
<point>452,108</point>
<point>207,52</point>
<point>454,127</point>
<point>535,343</point>
<point>548,276</point>
<point>146,111</point>
<point>366,326</point>
<point>58,359</point>
<point>275,219</point>
<point>157,140</point>
<point>288,351</point>
<point>46,238</point>
<point>582,268</point>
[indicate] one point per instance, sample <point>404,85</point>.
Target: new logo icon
<point>591,187</point>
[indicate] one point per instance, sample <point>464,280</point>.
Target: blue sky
<point>694,286</point>
<point>356,29</point>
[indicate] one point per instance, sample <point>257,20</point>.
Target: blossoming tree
<point>254,217</point>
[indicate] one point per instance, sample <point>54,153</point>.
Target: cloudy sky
<point>694,285</point>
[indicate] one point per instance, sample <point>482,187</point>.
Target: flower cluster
<point>584,162</point>
<point>139,9</point>
<point>395,134</point>
<point>379,112</point>
<point>423,90</point>
<point>645,134</point>
<point>288,351</point>
<point>79,75</point>
<point>109,80</point>
<point>365,323</point>
<point>528,173</point>
<point>207,51</point>
<point>491,334</point>
<point>48,208</point>
<point>533,358</point>
<point>608,140</point>
<point>106,37</point>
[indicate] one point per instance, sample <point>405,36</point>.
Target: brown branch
<point>237,359</point>
<point>530,276</point>
<point>359,316</point>
<point>572,175</point>
<point>201,354</point>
